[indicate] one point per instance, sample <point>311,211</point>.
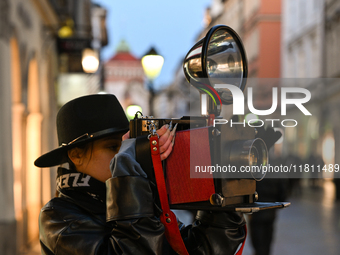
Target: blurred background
<point>55,50</point>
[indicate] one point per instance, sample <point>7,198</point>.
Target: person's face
<point>95,161</point>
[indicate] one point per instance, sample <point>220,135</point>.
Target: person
<point>273,188</point>
<point>105,202</point>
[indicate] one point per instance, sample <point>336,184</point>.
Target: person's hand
<point>166,140</point>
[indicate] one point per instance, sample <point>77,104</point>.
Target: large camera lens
<point>258,153</point>
<point>253,157</point>
<point>250,156</point>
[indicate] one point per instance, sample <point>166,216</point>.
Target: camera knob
<point>216,199</point>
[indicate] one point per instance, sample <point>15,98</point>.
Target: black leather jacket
<point>69,226</point>
<point>80,222</point>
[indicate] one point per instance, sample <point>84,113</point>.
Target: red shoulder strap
<point>168,218</point>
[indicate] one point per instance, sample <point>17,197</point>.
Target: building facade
<point>124,77</point>
<point>30,68</point>
<point>302,38</point>
<point>304,65</point>
<point>332,66</point>
<point>332,38</point>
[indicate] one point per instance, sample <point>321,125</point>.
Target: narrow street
<point>311,225</point>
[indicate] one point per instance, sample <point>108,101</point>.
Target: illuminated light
<point>131,111</point>
<point>152,65</point>
<point>71,85</point>
<point>251,117</point>
<point>17,136</point>
<point>328,153</point>
<point>65,32</point>
<point>90,61</point>
<point>18,111</point>
<point>67,29</point>
<point>33,174</point>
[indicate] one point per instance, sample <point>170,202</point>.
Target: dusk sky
<point>171,27</point>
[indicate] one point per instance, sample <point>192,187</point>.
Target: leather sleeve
<point>130,210</point>
<point>128,197</point>
<point>128,192</point>
<point>215,233</point>
<point>130,206</point>
<point>66,228</point>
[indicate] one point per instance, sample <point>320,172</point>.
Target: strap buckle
<point>152,130</point>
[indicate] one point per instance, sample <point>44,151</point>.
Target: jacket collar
<point>83,189</point>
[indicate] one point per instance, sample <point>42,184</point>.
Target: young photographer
<point>105,202</point>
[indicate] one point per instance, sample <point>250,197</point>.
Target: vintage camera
<point>203,170</point>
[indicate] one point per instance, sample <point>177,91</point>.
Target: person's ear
<point>76,155</point>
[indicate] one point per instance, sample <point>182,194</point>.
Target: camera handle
<point>168,218</point>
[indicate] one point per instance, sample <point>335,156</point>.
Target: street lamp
<point>131,111</point>
<point>152,64</point>
<point>90,60</point>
